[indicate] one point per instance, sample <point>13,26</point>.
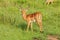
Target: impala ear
<point>20,8</point>
<point>26,10</point>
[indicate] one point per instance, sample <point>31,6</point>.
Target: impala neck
<point>24,15</point>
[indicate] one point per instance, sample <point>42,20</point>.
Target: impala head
<point>24,10</point>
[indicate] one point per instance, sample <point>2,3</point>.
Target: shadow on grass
<point>37,38</point>
<point>23,26</point>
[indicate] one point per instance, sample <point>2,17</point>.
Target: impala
<point>49,1</point>
<point>30,18</point>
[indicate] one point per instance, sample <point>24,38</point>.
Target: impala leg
<point>40,25</point>
<point>41,28</point>
<point>48,3</point>
<point>28,26</point>
<point>31,27</point>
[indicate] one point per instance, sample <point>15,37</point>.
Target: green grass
<point>13,27</point>
<point>8,32</point>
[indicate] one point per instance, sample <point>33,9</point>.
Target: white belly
<point>33,20</point>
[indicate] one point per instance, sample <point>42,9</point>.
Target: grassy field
<point>13,27</point>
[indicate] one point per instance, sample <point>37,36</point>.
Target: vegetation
<point>13,26</point>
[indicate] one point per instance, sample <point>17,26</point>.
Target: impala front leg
<point>31,27</point>
<point>28,26</point>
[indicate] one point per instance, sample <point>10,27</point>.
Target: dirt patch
<point>52,37</point>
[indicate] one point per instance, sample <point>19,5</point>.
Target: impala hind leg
<point>40,25</point>
<point>41,28</point>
